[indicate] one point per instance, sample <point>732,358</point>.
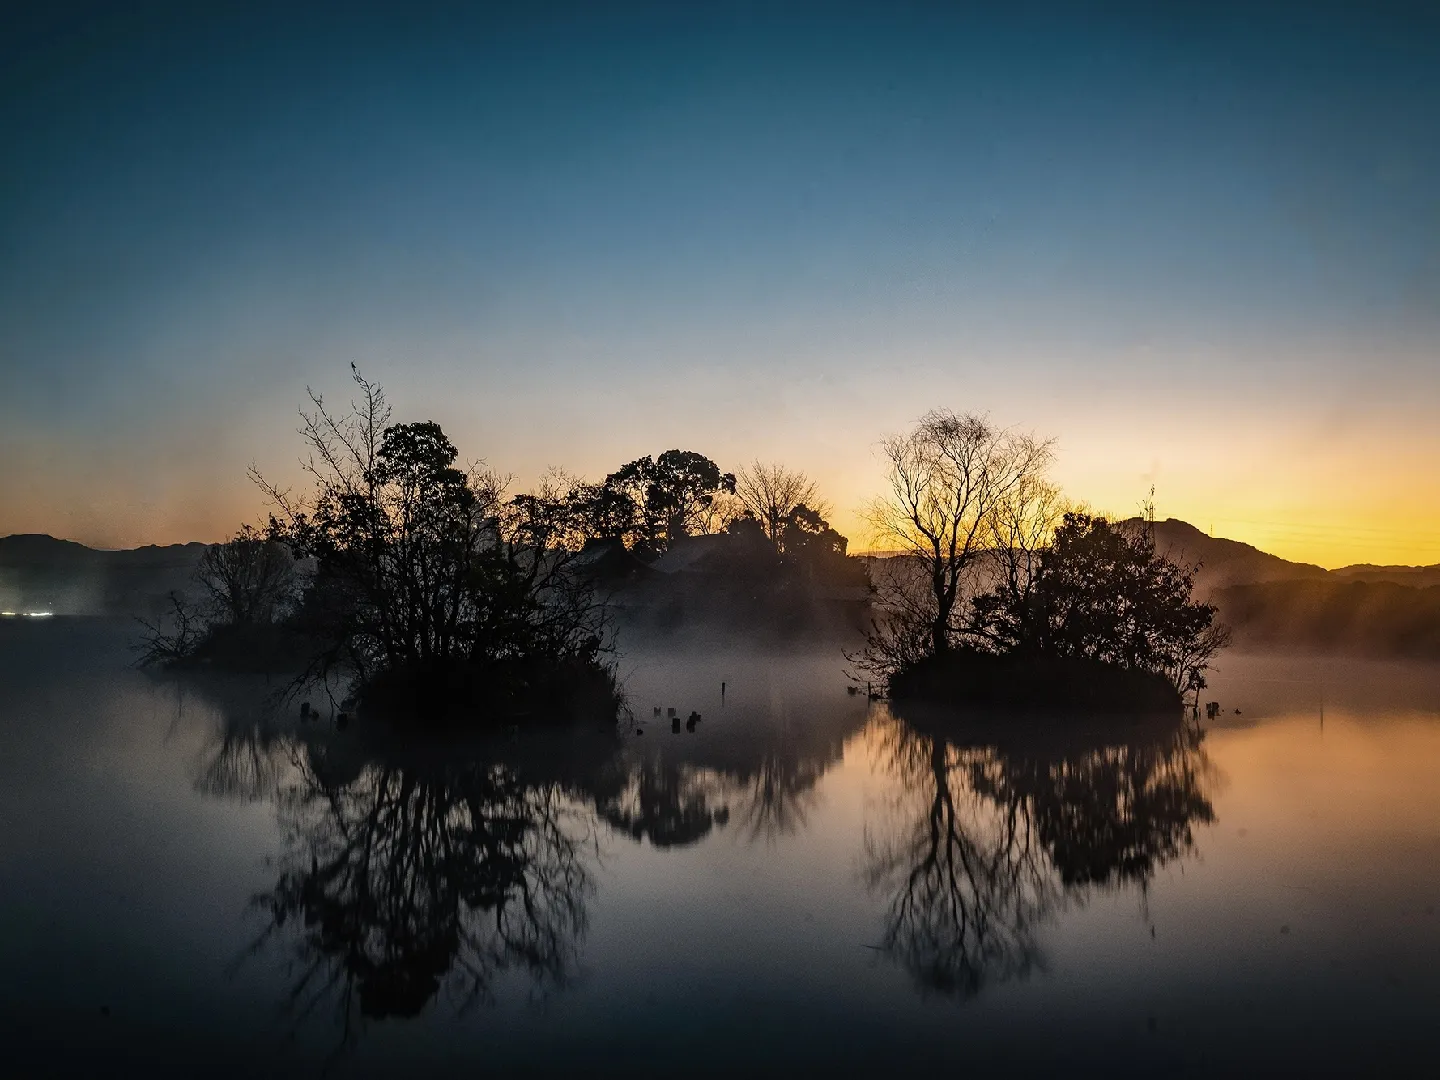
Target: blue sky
<point>1199,245</point>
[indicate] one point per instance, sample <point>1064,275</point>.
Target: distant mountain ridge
<point>40,573</point>
<point>1271,603</point>
<point>1223,562</point>
<point>42,546</point>
<point>1226,563</point>
<point>1420,577</point>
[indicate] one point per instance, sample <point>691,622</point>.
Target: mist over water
<point>194,877</point>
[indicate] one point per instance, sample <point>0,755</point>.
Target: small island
<point>1001,596</point>
<point>425,590</point>
<point>412,588</point>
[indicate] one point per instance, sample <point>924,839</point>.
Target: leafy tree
<point>805,531</point>
<point>809,543</point>
<point>428,572</point>
<point>649,502</point>
<point>606,512</point>
<point>1104,593</point>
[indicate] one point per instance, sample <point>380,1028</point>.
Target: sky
<point>1199,246</point>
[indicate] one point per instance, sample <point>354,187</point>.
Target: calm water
<point>196,883</point>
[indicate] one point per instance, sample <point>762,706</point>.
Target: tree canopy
<point>428,575</point>
<point>1104,593</point>
<point>651,501</point>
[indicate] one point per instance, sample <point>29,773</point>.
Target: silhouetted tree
<point>246,584</point>
<point>247,579</point>
<point>807,537</point>
<point>1100,592</point>
<point>772,493</point>
<point>173,637</point>
<point>607,512</point>
<point>950,479</point>
<point>651,501</point>
<point>427,572</point>
<point>1021,530</point>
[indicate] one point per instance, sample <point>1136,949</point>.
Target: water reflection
<point>416,872</point>
<point>985,840</point>
<point>1304,942</point>
<point>252,748</point>
<point>780,792</point>
<point>409,877</point>
<point>669,803</point>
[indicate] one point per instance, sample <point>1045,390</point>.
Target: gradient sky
<point>1200,247</point>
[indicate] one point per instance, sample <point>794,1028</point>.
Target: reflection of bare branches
<point>990,843</point>
<point>250,752</point>
<point>967,884</point>
<point>244,763</point>
<point>778,796</point>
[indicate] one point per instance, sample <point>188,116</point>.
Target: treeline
<point>772,517</point>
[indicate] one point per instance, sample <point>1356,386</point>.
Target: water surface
<point>193,880</point>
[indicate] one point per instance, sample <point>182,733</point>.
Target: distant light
<point>38,614</point>
<point>8,614</point>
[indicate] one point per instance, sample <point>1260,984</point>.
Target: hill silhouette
<point>1223,562</point>
<point>1272,603</point>
<point>1226,563</point>
<point>43,573</point>
<point>1420,577</point>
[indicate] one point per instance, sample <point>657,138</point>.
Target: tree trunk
<point>940,628</point>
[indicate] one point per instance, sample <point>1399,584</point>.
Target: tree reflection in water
<point>404,880</point>
<point>666,802</point>
<point>769,785</point>
<point>987,841</point>
<point>411,875</point>
<point>779,793</point>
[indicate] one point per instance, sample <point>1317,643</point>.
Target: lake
<point>196,881</point>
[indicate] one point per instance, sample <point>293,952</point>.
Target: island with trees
<point>1001,595</point>
<point>434,593</point>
